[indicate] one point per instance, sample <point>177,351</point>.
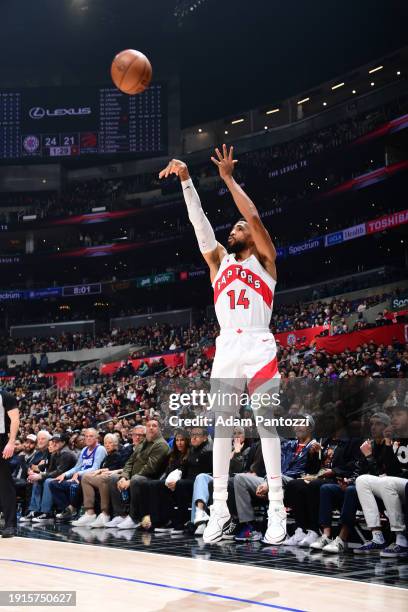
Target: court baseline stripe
<point>154,584</point>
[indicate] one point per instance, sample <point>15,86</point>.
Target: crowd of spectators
<point>81,197</point>
<point>149,476</point>
<point>162,338</point>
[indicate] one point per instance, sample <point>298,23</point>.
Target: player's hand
<point>177,167</point>
<point>8,450</point>
<point>225,161</point>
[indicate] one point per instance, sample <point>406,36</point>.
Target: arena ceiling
<point>231,54</point>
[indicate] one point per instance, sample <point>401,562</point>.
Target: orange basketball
<point>131,71</point>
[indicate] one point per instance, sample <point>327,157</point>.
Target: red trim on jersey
<point>233,273</point>
<point>266,373</point>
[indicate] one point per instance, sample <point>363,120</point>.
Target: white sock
<point>401,540</point>
<point>271,451</point>
<point>221,460</point>
<point>378,537</point>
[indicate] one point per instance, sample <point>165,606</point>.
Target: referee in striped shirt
<point>9,425</point>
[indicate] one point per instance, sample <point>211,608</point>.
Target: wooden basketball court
<point>117,580</point>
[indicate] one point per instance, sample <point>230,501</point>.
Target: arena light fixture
<point>324,103</point>
<point>354,91</point>
<point>226,132</point>
<point>372,83</point>
<point>265,127</point>
<point>338,85</point>
<point>398,72</point>
<point>200,130</point>
<point>303,100</point>
<point>272,111</point>
<point>376,69</point>
<point>237,121</point>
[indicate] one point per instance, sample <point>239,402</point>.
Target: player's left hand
<point>225,161</point>
<point>8,450</point>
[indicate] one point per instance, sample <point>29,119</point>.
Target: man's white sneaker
<point>101,521</point>
<point>336,547</point>
<point>201,516</point>
<point>320,543</point>
<point>115,521</point>
<point>220,519</point>
<point>294,540</point>
<point>309,538</point>
<point>84,521</point>
<point>276,531</point>
<point>128,523</point>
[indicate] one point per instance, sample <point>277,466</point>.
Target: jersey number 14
<point>241,301</point>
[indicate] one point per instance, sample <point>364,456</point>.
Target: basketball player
<point>9,424</point>
<point>243,277</point>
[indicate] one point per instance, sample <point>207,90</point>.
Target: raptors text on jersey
<point>243,293</point>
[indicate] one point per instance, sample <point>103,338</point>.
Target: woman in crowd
<point>158,494</point>
<point>98,480</point>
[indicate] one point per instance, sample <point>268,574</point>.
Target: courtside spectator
<point>64,488</point>
<point>98,480</point>
<point>61,460</point>
<point>386,481</point>
<point>148,460</point>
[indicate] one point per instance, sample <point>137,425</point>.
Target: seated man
<point>98,480</point>
<point>294,457</point>
<point>61,460</point>
<point>64,488</point>
<point>148,460</point>
<point>386,481</point>
<point>35,461</point>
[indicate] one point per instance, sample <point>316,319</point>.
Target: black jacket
<point>344,461</point>
<point>198,461</point>
<point>59,463</point>
<point>389,460</point>
<point>239,461</point>
<point>113,461</point>
<point>255,462</point>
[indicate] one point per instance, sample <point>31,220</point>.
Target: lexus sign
<point>37,112</point>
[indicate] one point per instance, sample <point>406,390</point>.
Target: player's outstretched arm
<point>212,251</point>
<point>225,162</point>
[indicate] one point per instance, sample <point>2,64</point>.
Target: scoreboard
<point>71,122</point>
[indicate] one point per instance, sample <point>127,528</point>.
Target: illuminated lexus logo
<point>37,112</point>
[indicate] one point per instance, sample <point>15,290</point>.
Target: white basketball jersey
<point>243,293</point>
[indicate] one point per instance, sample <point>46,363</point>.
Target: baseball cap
<point>31,437</point>
<point>382,417</point>
<point>63,437</point>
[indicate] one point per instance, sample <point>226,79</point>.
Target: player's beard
<point>236,247</point>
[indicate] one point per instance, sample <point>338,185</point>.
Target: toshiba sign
<point>387,222</point>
